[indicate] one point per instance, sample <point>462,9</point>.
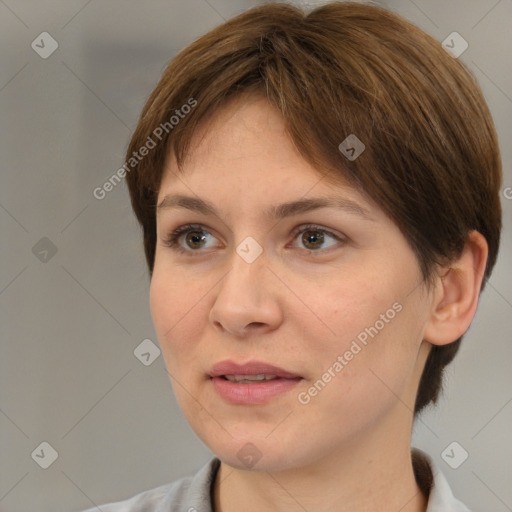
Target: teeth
<point>249,378</point>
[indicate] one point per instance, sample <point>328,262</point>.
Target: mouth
<point>252,370</point>
<point>248,379</point>
<point>251,383</point>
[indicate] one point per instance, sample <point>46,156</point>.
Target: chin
<point>250,458</point>
<point>255,453</point>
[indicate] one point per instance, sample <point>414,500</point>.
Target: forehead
<point>244,128</point>
<point>246,136</point>
<point>242,164</point>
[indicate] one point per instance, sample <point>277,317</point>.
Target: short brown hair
<point>431,161</point>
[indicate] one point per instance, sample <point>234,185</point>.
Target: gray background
<point>69,325</point>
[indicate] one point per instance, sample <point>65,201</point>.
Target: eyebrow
<point>274,212</point>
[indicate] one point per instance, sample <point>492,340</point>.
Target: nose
<point>247,300</point>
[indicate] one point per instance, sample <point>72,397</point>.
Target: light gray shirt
<point>193,493</point>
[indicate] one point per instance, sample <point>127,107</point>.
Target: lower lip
<point>252,393</point>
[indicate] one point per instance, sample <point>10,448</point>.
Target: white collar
<point>440,496</point>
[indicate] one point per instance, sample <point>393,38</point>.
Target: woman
<point>319,197</point>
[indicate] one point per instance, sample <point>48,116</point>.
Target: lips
<point>254,383</point>
<point>254,371</point>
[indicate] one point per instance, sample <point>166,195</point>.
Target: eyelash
<point>172,240</point>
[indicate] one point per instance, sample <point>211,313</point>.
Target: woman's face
<point>331,294</point>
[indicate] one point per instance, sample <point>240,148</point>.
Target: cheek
<point>372,322</point>
<point>348,304</point>
<point>174,308</point>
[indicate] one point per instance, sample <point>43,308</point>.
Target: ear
<point>457,289</point>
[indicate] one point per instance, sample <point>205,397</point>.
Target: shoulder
<point>183,495</point>
<point>146,501</point>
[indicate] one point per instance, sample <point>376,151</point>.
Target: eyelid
<point>172,239</point>
<point>305,227</point>
<point>340,238</point>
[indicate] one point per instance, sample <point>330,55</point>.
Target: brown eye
<point>190,239</point>
<point>195,239</point>
<point>312,239</point>
<point>315,238</point>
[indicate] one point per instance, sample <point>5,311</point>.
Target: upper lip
<point>250,368</point>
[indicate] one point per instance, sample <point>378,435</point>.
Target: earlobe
<point>456,293</point>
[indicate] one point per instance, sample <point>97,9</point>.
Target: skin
<point>299,308</point>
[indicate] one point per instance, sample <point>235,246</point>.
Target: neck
<point>365,474</point>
